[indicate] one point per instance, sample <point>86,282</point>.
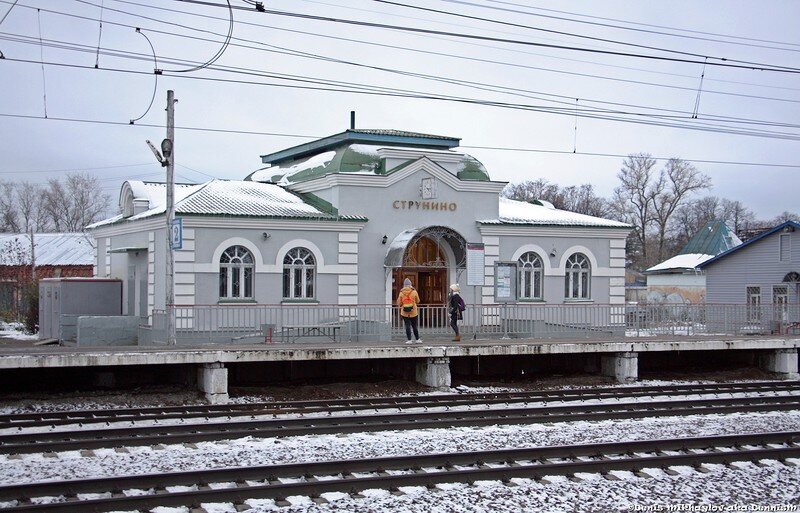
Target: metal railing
<point>374,323</point>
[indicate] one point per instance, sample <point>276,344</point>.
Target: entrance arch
<point>431,257</point>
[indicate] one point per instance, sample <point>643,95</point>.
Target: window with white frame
<point>784,247</point>
<point>577,277</point>
<point>753,304</point>
<point>236,273</point>
<point>299,272</point>
<point>531,273</point>
<point>780,302</point>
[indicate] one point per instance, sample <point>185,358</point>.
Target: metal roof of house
<point>364,159</point>
<point>714,238</point>
<point>236,199</point>
<point>59,249</point>
<point>515,212</point>
<point>387,137</point>
<point>787,224</point>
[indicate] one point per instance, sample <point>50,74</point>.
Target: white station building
<point>345,219</point>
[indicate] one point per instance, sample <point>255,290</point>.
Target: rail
<point>248,323</point>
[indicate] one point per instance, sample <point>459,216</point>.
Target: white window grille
<point>531,272</point>
<point>753,304</point>
<point>299,271</point>
<point>578,277</point>
<point>780,302</point>
<point>236,273</point>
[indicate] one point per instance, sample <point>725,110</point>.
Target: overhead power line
<point>560,32</point>
<point>328,19</point>
<point>553,98</point>
<point>641,24</point>
<point>349,87</point>
<point>265,47</point>
<point>301,136</point>
<point>750,42</point>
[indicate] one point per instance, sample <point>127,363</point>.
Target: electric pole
<point>168,149</point>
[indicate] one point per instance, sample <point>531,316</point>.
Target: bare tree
<point>677,180</point>
<point>737,215</point>
<point>530,190</point>
<point>74,203</point>
<point>581,199</point>
<point>633,199</point>
<point>30,208</point>
<point>8,211</point>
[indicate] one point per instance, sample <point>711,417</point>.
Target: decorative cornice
<point>385,181</point>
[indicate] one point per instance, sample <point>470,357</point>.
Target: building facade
<point>764,270</point>
<point>679,278</point>
<point>345,219</point>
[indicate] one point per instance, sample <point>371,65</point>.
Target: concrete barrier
<point>108,330</point>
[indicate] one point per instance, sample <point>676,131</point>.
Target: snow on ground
<point>16,331</point>
<point>774,484</point>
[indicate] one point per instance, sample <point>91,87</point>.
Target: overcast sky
<point>531,86</point>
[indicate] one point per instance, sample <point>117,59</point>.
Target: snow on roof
<point>156,192</point>
<point>246,199</point>
<point>266,174</point>
<point>49,249</point>
<point>234,198</point>
<point>686,261</point>
<point>522,212</point>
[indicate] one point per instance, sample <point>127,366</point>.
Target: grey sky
<point>764,32</point>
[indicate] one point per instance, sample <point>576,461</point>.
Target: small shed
<point>679,279</point>
<point>54,255</point>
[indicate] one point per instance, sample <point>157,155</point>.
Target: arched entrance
<point>431,258</point>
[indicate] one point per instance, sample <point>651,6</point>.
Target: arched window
<point>299,269</point>
<point>236,273</point>
<point>530,276</point>
<point>578,277</point>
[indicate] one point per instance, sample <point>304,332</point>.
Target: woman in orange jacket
<point>407,300</point>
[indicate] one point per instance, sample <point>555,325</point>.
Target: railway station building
<point>343,220</point>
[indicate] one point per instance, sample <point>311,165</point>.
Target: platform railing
<point>290,323</point>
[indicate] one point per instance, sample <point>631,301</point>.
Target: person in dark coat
<point>456,308</point>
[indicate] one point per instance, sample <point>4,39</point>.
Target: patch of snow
<point>334,496</point>
<point>687,261</point>
<point>522,212</point>
<point>16,331</point>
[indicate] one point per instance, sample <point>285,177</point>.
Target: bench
<point>291,333</point>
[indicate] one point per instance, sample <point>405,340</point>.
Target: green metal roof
<point>354,156</point>
<point>713,239</point>
<point>383,137</point>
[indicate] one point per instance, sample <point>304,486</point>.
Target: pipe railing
<point>289,323</point>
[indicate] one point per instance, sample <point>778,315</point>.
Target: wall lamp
<point>266,235</point>
<point>384,239</point>
<point>553,253</point>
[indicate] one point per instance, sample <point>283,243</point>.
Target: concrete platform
<point>58,356</point>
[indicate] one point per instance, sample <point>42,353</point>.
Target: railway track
<point>351,476</point>
<point>84,417</point>
<point>83,438</point>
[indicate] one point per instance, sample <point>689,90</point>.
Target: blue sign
<point>176,234</point>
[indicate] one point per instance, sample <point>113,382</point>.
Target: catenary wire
<point>501,63</point>
<point>634,29</point>
<point>725,63</point>
<point>476,85</point>
<point>563,33</point>
<point>347,87</point>
<point>744,38</point>
<point>327,36</point>
<point>311,137</point>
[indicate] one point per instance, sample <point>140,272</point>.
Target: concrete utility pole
<point>168,149</point>
<point>33,258</point>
